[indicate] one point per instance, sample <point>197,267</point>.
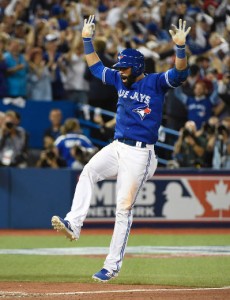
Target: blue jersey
<point>199,110</point>
<point>64,143</point>
<point>139,108</point>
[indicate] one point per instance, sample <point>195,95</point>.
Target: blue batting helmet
<point>131,58</point>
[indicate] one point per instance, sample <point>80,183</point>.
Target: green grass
<point>15,242</point>
<point>177,271</point>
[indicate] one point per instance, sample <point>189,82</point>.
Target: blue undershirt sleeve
<point>175,78</point>
<point>107,75</point>
<point>97,70</point>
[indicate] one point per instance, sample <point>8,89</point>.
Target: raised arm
<point>87,35</point>
<point>179,38</point>
<point>176,76</point>
<point>180,95</point>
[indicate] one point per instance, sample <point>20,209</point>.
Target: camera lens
<point>9,125</point>
<point>222,129</point>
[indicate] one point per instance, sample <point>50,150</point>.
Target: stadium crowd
<point>42,59</point>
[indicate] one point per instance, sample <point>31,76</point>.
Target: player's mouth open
<point>124,78</point>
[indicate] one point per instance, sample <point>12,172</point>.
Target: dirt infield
<point>109,291</point>
<point>94,291</point>
<point>39,232</point>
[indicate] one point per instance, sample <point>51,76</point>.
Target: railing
<point>86,122</point>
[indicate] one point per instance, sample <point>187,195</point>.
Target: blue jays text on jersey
<point>139,108</point>
<point>134,96</point>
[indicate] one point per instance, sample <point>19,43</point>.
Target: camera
<point>222,130</point>
<point>79,151</point>
<point>209,129</point>
<point>9,125</point>
<point>50,154</point>
<point>81,154</point>
<point>187,132</point>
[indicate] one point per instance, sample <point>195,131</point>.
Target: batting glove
<point>89,27</point>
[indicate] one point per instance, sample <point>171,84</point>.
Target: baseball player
<point>130,157</point>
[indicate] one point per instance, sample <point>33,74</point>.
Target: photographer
<point>13,142</point>
<point>221,156</point>
<point>189,149</point>
<point>49,157</point>
<point>81,155</point>
<point>208,135</point>
<point>224,89</point>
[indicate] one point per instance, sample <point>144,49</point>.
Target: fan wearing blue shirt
<point>130,157</point>
<point>200,106</point>
<point>69,138</point>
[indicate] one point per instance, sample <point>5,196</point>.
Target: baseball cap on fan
<point>51,37</point>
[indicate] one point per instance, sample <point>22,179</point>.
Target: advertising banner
<point>170,197</point>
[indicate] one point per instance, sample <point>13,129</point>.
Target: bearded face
<point>126,76</point>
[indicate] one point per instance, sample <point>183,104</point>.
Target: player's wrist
<point>180,51</point>
<point>88,45</point>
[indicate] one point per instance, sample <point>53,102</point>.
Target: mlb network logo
<point>170,197</point>
<point>197,198</point>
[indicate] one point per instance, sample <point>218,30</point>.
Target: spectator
<point>3,5</point>
<point>221,156</point>
<point>189,149</point>
<point>55,117</point>
<point>176,114</point>
<point>3,69</point>
<point>71,137</point>
<point>81,155</point>
<point>192,79</point>
<point>20,8</point>
<point>207,134</point>
<point>2,120</point>
<point>200,106</point>
<point>197,41</point>
<point>8,24</point>
<point>39,77</point>
<point>13,142</point>
<point>219,46</point>
<point>204,63</point>
<point>224,89</point>
<point>49,157</point>
<point>17,69</point>
<point>40,31</point>
<point>72,12</point>
<point>75,85</point>
<point>58,11</point>
<point>52,59</point>
<point>25,33</point>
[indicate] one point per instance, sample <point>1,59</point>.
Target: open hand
<point>179,34</point>
<point>89,27</point>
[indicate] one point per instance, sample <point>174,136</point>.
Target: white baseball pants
<point>132,166</point>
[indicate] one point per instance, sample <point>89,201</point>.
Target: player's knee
<point>89,172</point>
